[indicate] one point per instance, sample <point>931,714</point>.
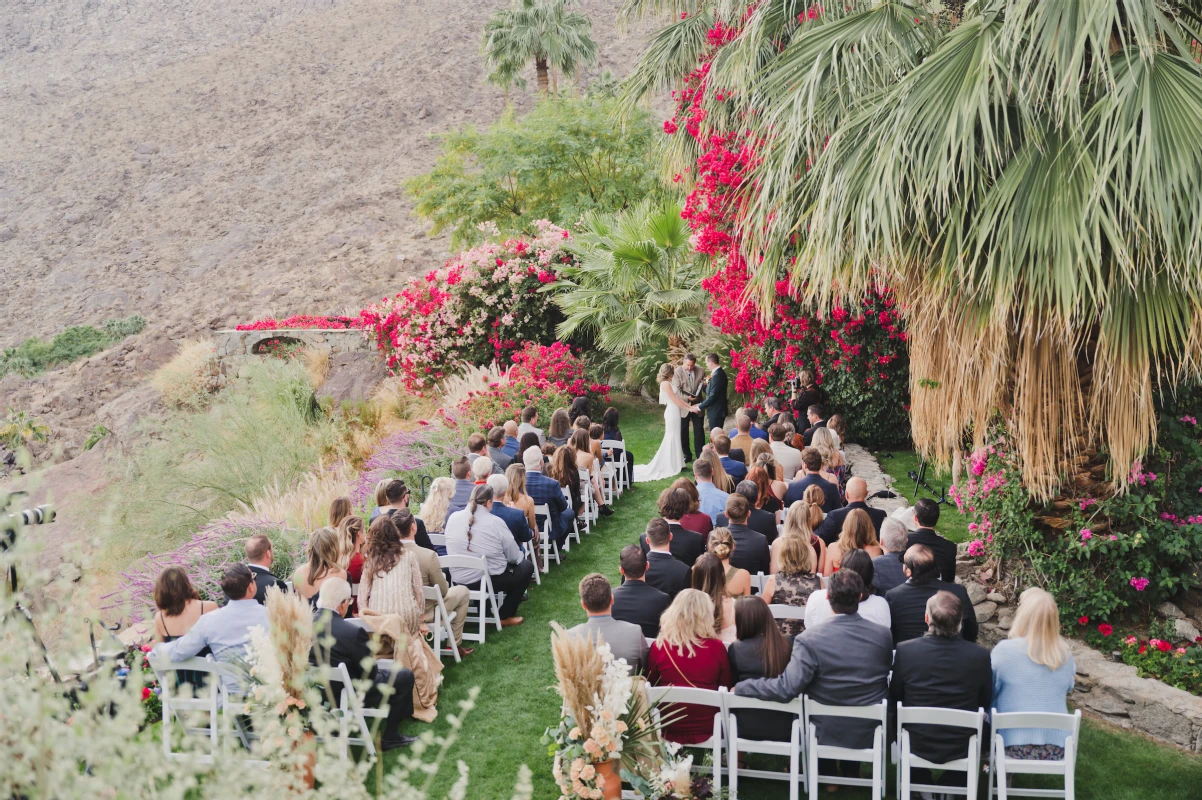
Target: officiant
<point>688,381</point>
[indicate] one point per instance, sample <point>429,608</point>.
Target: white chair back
<point>780,611</point>
<point>874,755</point>
<point>442,623</point>
<point>548,549</point>
<point>1005,767</point>
<point>480,597</point>
<point>793,749</point>
<point>438,539</point>
<point>176,705</point>
<point>757,583</point>
<point>669,695</point>
<point>945,717</point>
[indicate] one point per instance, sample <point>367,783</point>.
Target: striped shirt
<point>1019,684</point>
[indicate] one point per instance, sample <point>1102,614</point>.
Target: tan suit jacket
<point>744,442</point>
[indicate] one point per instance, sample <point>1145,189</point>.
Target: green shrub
<point>34,356</point>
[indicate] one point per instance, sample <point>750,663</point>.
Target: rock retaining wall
<point>246,343</point>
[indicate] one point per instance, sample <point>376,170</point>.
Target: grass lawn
<point>899,464</point>
<point>517,699</point>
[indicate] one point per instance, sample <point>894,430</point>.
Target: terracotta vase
<point>309,765</point>
<point>608,779</point>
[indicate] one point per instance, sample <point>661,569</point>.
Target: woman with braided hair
<point>476,532</point>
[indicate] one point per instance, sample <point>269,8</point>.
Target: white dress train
<point>669,459</point>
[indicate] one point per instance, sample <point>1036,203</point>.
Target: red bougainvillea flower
<point>146,692</point>
<point>1105,629</point>
<point>1082,620</point>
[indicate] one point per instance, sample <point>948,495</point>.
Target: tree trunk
<point>554,83</point>
<point>631,379</point>
<point>540,67</point>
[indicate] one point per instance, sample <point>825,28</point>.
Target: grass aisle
<point>518,702</point>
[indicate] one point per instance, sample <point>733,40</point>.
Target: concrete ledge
<point>246,343</point>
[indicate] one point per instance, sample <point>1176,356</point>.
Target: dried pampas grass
<point>578,668</point>
<point>290,621</point>
<point>317,365</point>
<point>304,505</point>
<point>191,377</point>
<point>455,389</point>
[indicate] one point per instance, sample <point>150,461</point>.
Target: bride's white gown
<point>669,459</point>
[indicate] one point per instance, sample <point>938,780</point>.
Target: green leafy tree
<point>636,281</point>
<point>565,158</point>
<point>1025,174</point>
<point>544,31</point>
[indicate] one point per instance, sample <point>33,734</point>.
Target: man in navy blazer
<point>514,518</point>
<point>546,491</point>
<point>811,465</point>
<point>664,571</point>
<point>635,600</point>
<point>737,470</point>
<point>857,495</point>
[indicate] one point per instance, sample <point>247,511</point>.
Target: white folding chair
<point>794,748</point>
<point>874,755</point>
<point>757,583</point>
<point>780,611</point>
<point>1004,766</point>
<point>349,709</point>
<point>175,706</point>
<point>575,532</point>
<point>481,597</point>
<point>946,717</point>
<point>665,695</point>
<point>546,545</point>
<point>441,624</point>
<point>617,459</point>
<point>591,513</point>
<point>437,539</point>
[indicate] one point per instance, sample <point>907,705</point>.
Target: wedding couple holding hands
<point>685,392</point>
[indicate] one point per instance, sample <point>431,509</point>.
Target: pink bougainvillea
<point>300,321</point>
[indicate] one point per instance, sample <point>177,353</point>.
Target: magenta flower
<point>976,548</point>
<point>1140,584</point>
<point>1086,534</point>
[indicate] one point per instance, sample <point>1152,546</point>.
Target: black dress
<point>182,676</point>
<point>615,434</point>
<point>746,663</point>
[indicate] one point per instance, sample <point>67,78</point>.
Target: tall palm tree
<point>636,281</point>
<point>542,30</point>
<point>1028,177</point>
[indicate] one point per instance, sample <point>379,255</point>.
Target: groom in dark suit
<point>714,403</point>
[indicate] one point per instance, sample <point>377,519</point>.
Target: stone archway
<point>268,343</point>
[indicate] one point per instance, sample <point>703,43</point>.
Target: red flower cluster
<point>555,365</point>
<point>301,321</point>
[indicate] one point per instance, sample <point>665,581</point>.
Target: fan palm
<point>1027,176</point>
<point>636,281</point>
<point>542,30</point>
<point>19,429</point>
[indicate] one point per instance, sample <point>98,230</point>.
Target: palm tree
<point>543,30</point>
<point>636,281</point>
<point>19,429</point>
<point>1027,176</point>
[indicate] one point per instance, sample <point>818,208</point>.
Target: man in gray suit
<point>844,662</point>
<point>496,440</point>
<point>625,639</point>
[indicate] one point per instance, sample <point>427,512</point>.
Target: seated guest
<point>757,432</point>
<point>514,519</point>
<point>857,534</point>
<point>340,509</point>
<point>926,516</point>
<point>565,471</point>
<point>635,600</point>
<point>546,491</point>
<point>735,469</point>
<point>510,448</point>
<point>941,670</point>
<point>336,641</point>
<point>392,579</point>
<point>398,500</point>
<point>515,496</point>
<point>721,545</point>
<point>178,603</point>
<point>625,639</point>
<point>580,408</point>
<point>1033,672</point>
<point>613,433</point>
<point>799,522</point>
<point>477,448</point>
<point>596,433</point>
<point>687,652</point>
<point>475,531</point>
<point>560,428</point>
<point>718,475</point>
<point>530,440</point>
<point>814,415</point>
<point>740,436</point>
<point>774,413</point>
<point>259,557</point>
<point>888,568</point>
<point>838,426</point>
<point>834,469</point>
<point>352,536</point>
<point>758,520</point>
<point>844,662</point>
<point>806,393</point>
<point>908,602</point>
<point>454,598</point>
<point>529,423</point>
<point>785,454</point>
<point>795,582</point>
<point>751,547</point>
<point>496,444</point>
<point>694,519</point>
<point>872,607</point>
<point>665,570</point>
<point>381,498</point>
<point>437,507</point>
<point>857,495</point>
<point>712,499</point>
<point>736,455</point>
<point>765,498</point>
<point>710,577</point>
<point>482,467</point>
<point>811,464</point>
<point>226,631</point>
<point>686,546</point>
<point>461,471</point>
<point>760,652</point>
<point>589,464</point>
<point>322,564</point>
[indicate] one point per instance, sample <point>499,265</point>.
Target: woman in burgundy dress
<point>688,653</point>
<point>695,520</point>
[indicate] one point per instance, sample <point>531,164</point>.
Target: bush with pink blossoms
<point>300,321</point>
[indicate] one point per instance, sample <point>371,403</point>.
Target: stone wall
<point>245,343</point>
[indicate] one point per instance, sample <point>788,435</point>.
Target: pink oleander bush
<point>300,321</point>
<point>483,304</point>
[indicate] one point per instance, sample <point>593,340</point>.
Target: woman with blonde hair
<point>433,512</point>
<point>381,497</point>
<point>560,428</point>
<point>721,545</point>
<point>858,534</point>
<point>795,581</point>
<point>322,564</point>
<point>720,477</point>
<point>351,534</point>
<point>827,444</point>
<point>693,520</point>
<point>687,652</point>
<point>1033,672</point>
<point>798,523</point>
<point>340,509</point>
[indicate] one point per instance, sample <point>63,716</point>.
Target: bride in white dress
<point>669,459</point>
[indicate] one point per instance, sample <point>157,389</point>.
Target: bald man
<point>857,495</point>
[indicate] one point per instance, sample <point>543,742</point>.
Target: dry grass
<point>578,668</point>
<point>317,364</point>
<point>455,389</point>
<point>191,377</point>
<point>305,505</point>
<point>291,623</point>
<point>400,408</point>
